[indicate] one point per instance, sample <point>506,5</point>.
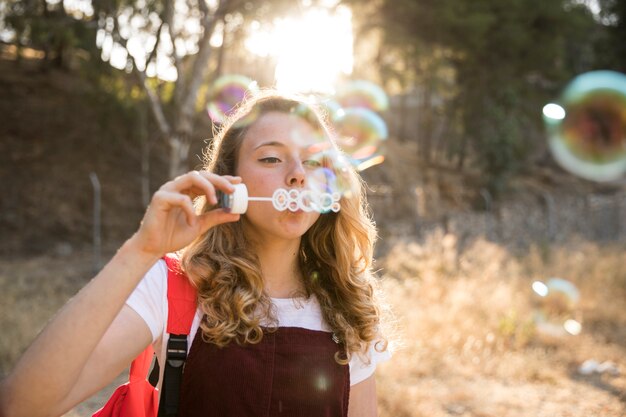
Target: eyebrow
<point>271,143</point>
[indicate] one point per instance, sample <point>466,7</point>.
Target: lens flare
<point>587,127</point>
<point>226,93</point>
<point>363,94</point>
<point>556,308</point>
<point>360,133</point>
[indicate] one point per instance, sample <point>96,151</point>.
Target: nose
<point>297,175</point>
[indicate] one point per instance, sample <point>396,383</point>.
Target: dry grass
<point>468,345</point>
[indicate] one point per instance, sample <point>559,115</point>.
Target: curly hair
<point>335,254</point>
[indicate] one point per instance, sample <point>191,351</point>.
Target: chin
<point>286,225</point>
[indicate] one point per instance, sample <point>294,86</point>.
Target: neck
<point>280,267</point>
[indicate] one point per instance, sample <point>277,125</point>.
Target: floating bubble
<point>312,143</point>
<point>334,174</point>
<point>226,94</point>
<point>587,128</point>
<point>360,134</point>
<point>556,308</point>
<point>362,94</point>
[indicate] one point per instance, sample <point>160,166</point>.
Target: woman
<point>295,278</point>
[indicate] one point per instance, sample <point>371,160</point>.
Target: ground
<point>463,336</point>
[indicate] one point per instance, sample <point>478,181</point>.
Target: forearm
<point>52,364</point>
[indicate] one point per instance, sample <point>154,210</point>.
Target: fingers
<point>232,179</point>
<point>216,217</point>
<point>205,183</point>
<point>166,200</point>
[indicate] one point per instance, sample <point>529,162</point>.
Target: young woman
<point>287,319</point>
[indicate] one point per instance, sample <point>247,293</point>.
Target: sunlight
<point>312,52</point>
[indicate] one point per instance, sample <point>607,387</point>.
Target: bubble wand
<point>282,199</point>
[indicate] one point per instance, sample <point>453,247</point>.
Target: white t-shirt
<point>149,300</point>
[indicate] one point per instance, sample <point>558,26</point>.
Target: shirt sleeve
<point>360,370</point>
<point>149,299</point>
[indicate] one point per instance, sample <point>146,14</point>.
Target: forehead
<point>287,128</point>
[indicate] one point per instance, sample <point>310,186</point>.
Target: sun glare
<point>312,52</point>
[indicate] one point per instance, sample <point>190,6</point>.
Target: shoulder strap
<point>181,298</point>
<point>181,302</point>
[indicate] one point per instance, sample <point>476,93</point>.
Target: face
<point>274,154</point>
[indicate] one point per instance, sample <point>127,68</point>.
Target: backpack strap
<point>182,305</point>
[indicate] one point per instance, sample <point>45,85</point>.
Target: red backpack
<point>138,397</point>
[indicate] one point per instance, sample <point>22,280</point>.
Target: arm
<point>363,399</point>
<point>66,361</point>
<point>127,336</point>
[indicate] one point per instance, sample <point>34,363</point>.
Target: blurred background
<point>502,221</point>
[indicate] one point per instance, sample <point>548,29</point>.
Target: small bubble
<point>556,310</point>
<point>226,93</point>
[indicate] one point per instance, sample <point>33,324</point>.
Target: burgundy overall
<point>291,372</point>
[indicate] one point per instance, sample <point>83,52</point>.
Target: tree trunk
<point>145,156</point>
<point>179,152</point>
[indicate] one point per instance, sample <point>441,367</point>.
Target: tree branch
<point>204,52</point>
<point>156,46</point>
<point>153,98</point>
<point>180,71</point>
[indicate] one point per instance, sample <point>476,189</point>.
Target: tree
<point>506,60</point>
<point>179,32</point>
<point>51,29</point>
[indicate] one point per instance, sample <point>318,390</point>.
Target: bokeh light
<point>587,127</point>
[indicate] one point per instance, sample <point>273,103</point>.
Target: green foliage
<point>508,59</point>
<point>611,44</point>
<point>50,28</point>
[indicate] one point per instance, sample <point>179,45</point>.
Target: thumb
<point>216,217</point>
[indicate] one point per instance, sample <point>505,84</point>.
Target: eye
<point>270,160</point>
<point>312,163</point>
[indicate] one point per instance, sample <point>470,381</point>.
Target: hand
<point>170,222</point>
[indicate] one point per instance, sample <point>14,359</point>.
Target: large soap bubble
<point>360,134</point>
<point>587,127</point>
<point>362,94</point>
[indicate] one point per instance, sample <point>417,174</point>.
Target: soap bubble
<point>226,94</point>
<point>587,127</point>
<point>360,133</point>
<point>556,308</point>
<point>334,175</point>
<point>362,94</point>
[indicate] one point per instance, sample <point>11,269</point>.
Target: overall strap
<point>182,305</point>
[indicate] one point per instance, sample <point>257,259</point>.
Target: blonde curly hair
<point>335,253</point>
